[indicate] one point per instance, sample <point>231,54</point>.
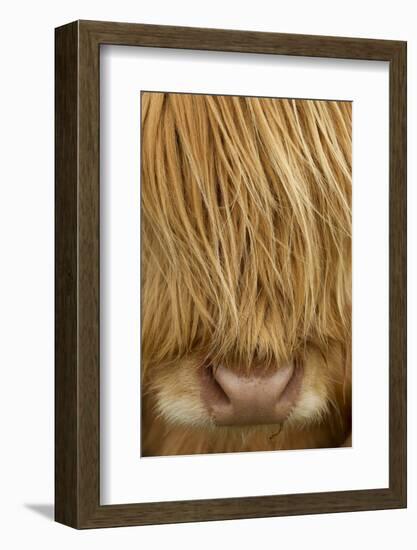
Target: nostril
<point>212,390</point>
<point>223,382</point>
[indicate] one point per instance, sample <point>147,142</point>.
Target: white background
<point>124,477</point>
<point>26,285</point>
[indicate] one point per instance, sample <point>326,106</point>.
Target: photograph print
<point>246,284</point>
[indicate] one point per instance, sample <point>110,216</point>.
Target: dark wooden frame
<point>77,274</point>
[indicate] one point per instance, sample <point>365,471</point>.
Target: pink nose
<point>250,399</point>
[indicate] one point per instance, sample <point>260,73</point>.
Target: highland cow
<point>246,273</point>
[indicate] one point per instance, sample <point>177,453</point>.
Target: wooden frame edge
<point>66,275</point>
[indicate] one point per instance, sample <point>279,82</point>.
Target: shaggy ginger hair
<point>246,261</point>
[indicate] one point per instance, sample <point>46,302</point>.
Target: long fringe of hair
<point>246,227</point>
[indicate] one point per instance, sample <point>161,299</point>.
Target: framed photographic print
<point>230,274</point>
